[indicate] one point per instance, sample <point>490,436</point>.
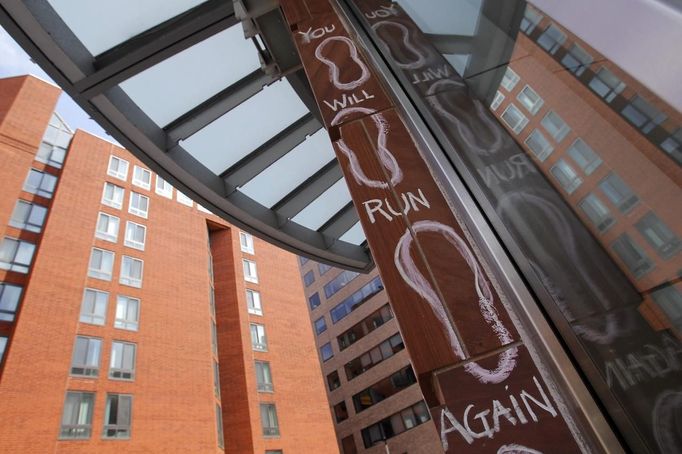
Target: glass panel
<point>325,206</point>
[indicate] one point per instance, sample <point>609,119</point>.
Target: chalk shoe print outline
<point>334,70</point>
<point>413,277</point>
<point>515,448</point>
<point>420,52</point>
<point>666,420</point>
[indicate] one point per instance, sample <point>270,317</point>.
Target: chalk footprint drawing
<point>421,54</point>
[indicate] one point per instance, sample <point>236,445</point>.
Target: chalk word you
<point>410,201</point>
<point>487,422</point>
<point>383,11</point>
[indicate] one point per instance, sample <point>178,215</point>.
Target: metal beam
<point>339,224</point>
<point>272,150</point>
<point>156,44</point>
<point>294,202</point>
<point>217,106</point>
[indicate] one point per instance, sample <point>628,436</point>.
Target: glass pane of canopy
<point>325,206</point>
<point>176,85</point>
<point>444,17</point>
<point>354,235</point>
<point>102,25</point>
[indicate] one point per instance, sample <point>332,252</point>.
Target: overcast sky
<point>15,62</point>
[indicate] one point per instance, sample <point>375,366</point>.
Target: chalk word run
<point>488,420</point>
<point>409,202</point>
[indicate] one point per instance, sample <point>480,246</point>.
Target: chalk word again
<point>487,422</point>
<point>647,364</point>
<point>348,100</point>
<point>311,34</point>
<point>383,11</point>
<point>409,202</point>
<point>430,74</point>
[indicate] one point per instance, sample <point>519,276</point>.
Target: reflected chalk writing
<point>334,70</point>
<point>383,11</point>
<point>513,168</point>
<point>385,156</point>
<point>409,272</point>
<point>420,55</point>
<point>517,449</point>
<point>430,74</point>
<point>666,422</point>
<point>409,202</point>
<point>471,427</point>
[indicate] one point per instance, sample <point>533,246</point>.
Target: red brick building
<point>131,318</point>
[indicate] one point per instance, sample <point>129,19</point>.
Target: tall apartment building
<point>372,389</point>
<point>132,319</point>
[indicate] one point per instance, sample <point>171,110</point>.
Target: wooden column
<point>483,389</point>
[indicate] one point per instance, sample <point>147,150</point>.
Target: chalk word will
<point>430,74</point>
<point>348,100</point>
<point>489,420</point>
<point>409,202</point>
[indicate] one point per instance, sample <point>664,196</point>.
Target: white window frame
<point>107,236</point>
<point>183,199</point>
<point>131,242</point>
<point>125,374</point>
<point>123,301</point>
<point>137,211</point>
<point>112,202</point>
<point>117,173</point>
<point>534,106</point>
<point>561,132</point>
<point>499,97</point>
<point>573,184</point>
<point>510,79</point>
<point>518,127</point>
<point>545,152</point>
<point>99,273</point>
<point>250,277</point>
<point>257,307</point>
<point>260,342</point>
<point>163,188</point>
<point>28,223</point>
<point>246,242</point>
<point>137,170</point>
<point>131,281</point>
<point>92,318</point>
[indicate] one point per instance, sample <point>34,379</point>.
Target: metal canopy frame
<point>93,82</point>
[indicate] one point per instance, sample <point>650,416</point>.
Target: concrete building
<point>372,389</point>
<point>131,319</point>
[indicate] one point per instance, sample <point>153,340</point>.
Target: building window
<point>555,126</point>
<point>320,325</point>
<point>539,145</point>
<point>214,338</point>
<point>383,389</point>
<point>253,302</point>
<point>576,60</point>
<point>348,445</point>
<point>258,340</point>
<point>302,260</point>
<point>632,256</point>
<point>513,118</point>
<point>216,379</point>
<point>669,299</point>
<point>323,268</point>
<point>86,354</point>
<point>552,39</point>
<point>164,188</point>
<point>122,364</point>
<point>135,235</point>
<point>531,19</point>
<point>530,99</point>
<point>16,255</point>
<point>606,84</point>
<point>597,212</point>
<point>139,205</point>
<point>340,411</point>
<point>219,426</point>
<point>326,351</point>
<point>314,300</point>
<point>94,307</point>
<point>55,141</point>
<point>264,377</point>
<point>117,415</point>
<point>356,299</point>
<point>101,264</point>
<point>510,79</point>
<point>618,192</point>
<point>3,347</point>
<point>113,196</point>
<point>118,168</point>
<point>142,177</point>
<point>333,381</point>
<point>395,424</point>
<point>309,278</point>
<point>107,227</point>
<point>40,183</point>
<point>499,97</point>
<point>246,242</point>
<point>183,199</point>
<point>28,216</point>
<point>77,416</point>
<point>673,145</point>
<point>268,417</point>
<point>10,295</point>
<point>131,271</point>
<point>374,356</point>
<point>584,156</point>
<point>566,176</point>
<point>364,327</point>
<point>339,282</point>
<point>658,235</point>
<point>250,272</point>
<point>643,115</point>
<point>127,313</point>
